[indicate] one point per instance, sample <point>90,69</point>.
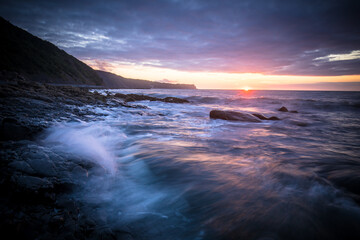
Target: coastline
<point>37,183</point>
<point>178,158</point>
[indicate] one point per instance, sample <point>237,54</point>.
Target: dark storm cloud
<point>272,37</point>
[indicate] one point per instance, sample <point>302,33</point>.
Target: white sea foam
<point>130,188</point>
<point>91,142</point>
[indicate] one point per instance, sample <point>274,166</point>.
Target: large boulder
<point>233,116</point>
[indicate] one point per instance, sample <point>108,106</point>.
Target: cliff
<point>40,60</point>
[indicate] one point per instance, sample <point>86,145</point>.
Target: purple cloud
<point>271,37</point>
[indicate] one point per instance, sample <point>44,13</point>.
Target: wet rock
<point>99,96</point>
<point>32,183</point>
<point>22,166</point>
<point>40,162</point>
<point>283,109</point>
<point>65,183</point>
<point>120,95</point>
<point>298,123</point>
<point>56,222</point>
<point>273,118</point>
<point>123,235</point>
<point>25,229</point>
<point>79,171</point>
<point>103,233</point>
<point>71,178</point>
<point>139,97</point>
<point>11,129</point>
<point>87,227</point>
<point>70,227</point>
<point>260,116</point>
<point>233,116</point>
<point>175,100</point>
<point>69,205</point>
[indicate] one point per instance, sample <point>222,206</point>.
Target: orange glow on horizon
<point>220,80</point>
<point>245,92</point>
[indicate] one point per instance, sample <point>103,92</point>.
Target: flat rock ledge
<point>239,116</point>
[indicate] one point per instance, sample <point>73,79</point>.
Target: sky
<point>225,44</point>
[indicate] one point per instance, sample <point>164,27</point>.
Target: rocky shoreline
<point>36,183</point>
<point>39,186</point>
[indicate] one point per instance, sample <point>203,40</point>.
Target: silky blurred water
<point>170,172</point>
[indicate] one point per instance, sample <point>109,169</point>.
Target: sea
<point>170,172</point>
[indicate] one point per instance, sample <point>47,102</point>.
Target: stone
<point>175,100</point>
<point>40,162</point>
<point>138,97</point>
<point>298,123</point>
<point>260,116</point>
<point>11,129</point>
<point>233,116</point>
<point>32,183</point>
<point>103,233</point>
<point>79,171</point>
<point>120,95</point>
<point>283,109</point>
<point>22,166</point>
<point>273,118</point>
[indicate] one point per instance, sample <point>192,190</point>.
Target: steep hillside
<point>115,81</point>
<point>22,54</point>
<point>40,60</point>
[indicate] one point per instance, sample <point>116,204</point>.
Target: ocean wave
<point>181,172</point>
<point>308,104</point>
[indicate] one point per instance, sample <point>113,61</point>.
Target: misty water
<point>170,172</point>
